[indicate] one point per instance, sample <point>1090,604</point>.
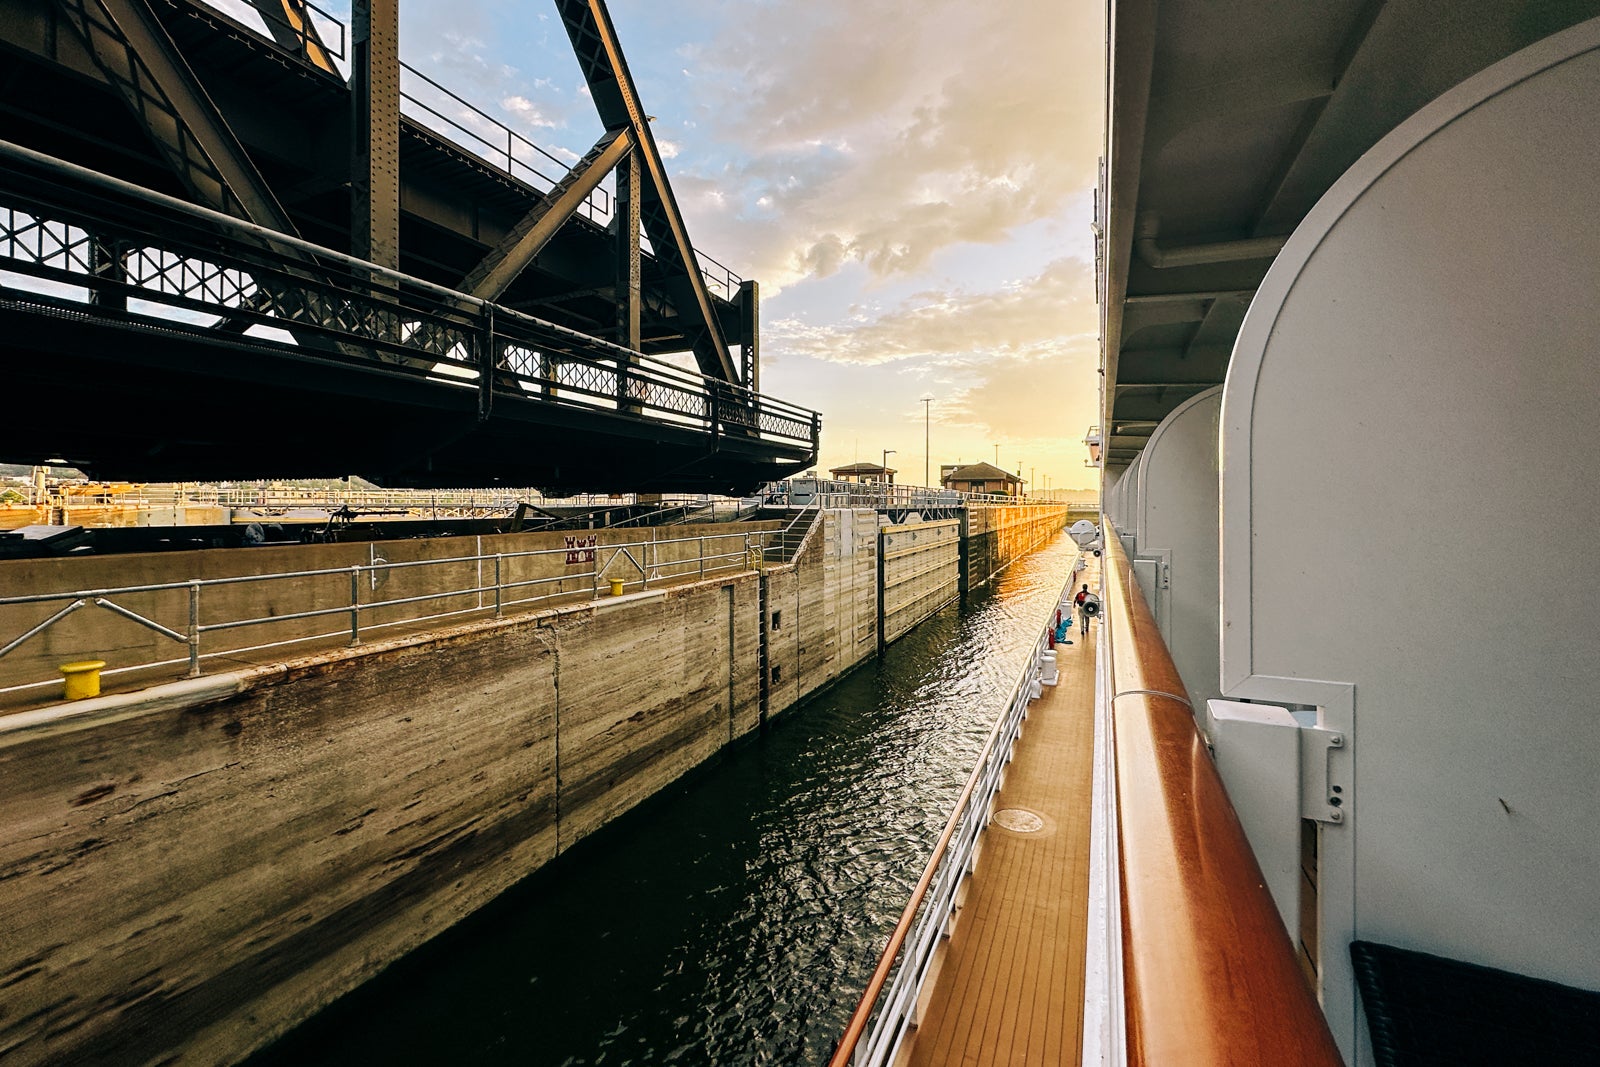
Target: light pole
<point>886,454</point>
<point>927,410</point>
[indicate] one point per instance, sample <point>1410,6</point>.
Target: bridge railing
<point>840,493</point>
<point>304,607</point>
<point>889,1005</point>
<point>94,245</point>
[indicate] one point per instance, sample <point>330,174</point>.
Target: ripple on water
<point>736,919</point>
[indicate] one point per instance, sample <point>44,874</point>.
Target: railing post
<point>497,556</point>
<point>702,540</point>
<point>355,605</point>
<point>194,629</point>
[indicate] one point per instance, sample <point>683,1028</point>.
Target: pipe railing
<point>888,1006</point>
<point>791,538</point>
<point>1210,976</point>
<point>841,493</point>
<point>491,590</point>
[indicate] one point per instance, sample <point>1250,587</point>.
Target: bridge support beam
<point>130,45</point>
<point>750,333</point>
<point>616,99</point>
<point>500,267</point>
<point>375,131</point>
<point>626,222</point>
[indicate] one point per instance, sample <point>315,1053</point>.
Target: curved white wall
<point>1175,522</point>
<point>1411,501</point>
<point>1123,496</point>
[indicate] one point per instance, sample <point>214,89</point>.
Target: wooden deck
<point>1010,989</point>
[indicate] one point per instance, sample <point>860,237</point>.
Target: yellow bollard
<point>82,679</point>
<point>616,586</point>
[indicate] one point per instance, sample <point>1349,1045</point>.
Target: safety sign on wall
<point>581,549</point>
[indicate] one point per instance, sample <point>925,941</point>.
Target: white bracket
<point>1324,777</point>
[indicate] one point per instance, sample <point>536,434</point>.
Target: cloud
<point>527,111</point>
<point>1023,319</point>
<point>964,123</point>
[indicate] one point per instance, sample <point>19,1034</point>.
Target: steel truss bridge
<point>182,301</point>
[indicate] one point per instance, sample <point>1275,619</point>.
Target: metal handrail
<point>805,518</point>
<point>1209,973</point>
<point>898,495</point>
<point>890,1012</point>
<point>702,563</point>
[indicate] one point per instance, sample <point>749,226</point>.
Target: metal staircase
<point>787,544</point>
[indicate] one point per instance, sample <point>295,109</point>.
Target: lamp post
<point>927,410</point>
<point>886,454</point>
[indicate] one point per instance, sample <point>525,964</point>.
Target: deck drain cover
<point>1019,820</point>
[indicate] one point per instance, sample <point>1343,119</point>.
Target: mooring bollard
<point>616,586</point>
<point>81,679</point>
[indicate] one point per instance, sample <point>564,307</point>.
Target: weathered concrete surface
<point>921,573</point>
<point>994,536</point>
<point>189,878</point>
<point>188,872</point>
<point>649,690</point>
<point>533,565</point>
<point>822,609</point>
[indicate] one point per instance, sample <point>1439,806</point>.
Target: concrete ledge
<point>116,707</point>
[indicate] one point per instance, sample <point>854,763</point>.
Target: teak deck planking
<point>1010,991</point>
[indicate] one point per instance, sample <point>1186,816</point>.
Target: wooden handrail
<point>1210,975</point>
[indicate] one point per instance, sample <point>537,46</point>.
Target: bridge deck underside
<point>190,405</point>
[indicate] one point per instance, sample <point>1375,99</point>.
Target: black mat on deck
<point>1428,1010</point>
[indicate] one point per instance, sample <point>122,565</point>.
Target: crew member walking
<point>1088,606</point>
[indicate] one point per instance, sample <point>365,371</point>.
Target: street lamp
<point>927,409</point>
<point>886,454</point>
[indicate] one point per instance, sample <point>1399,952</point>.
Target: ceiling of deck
<point>1228,120</point>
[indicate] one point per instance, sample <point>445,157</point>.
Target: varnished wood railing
<point>1210,975</point>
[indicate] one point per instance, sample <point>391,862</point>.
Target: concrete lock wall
<point>673,553</point>
<point>993,536</point>
<point>921,565</point>
<point>822,608</point>
<point>192,870</point>
<point>188,872</point>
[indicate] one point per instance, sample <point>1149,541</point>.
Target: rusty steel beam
<point>616,99</point>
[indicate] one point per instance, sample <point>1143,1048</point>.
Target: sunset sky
<point>909,180</point>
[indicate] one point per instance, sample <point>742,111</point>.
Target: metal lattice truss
<point>171,274</point>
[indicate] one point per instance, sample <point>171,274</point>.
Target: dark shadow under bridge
<point>151,340</point>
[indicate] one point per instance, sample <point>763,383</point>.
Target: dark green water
<point>735,918</point>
